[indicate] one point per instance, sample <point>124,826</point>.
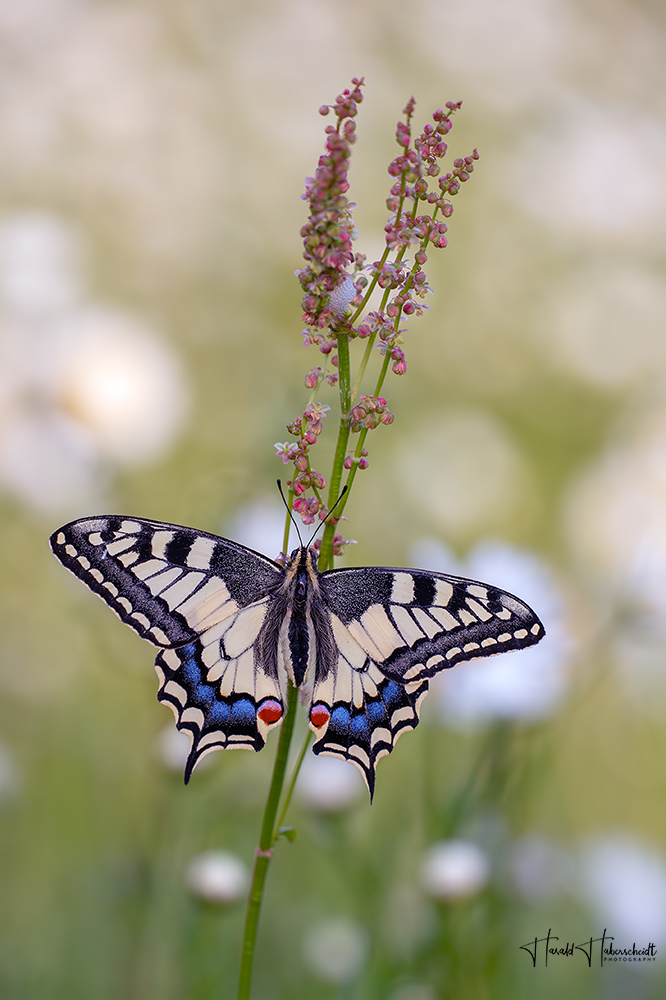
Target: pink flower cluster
<point>370,412</point>
<point>382,324</point>
<point>328,233</point>
<point>316,376</point>
<point>338,543</point>
<point>412,170</point>
<point>361,461</point>
<point>338,284</point>
<point>307,427</point>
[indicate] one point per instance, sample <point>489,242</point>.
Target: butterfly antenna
<point>284,501</point>
<point>344,490</point>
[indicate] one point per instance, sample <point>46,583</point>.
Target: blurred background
<point>152,159</point>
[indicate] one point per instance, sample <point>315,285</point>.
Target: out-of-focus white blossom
<point>463,470</point>
<point>616,515</point>
<point>120,381</point>
<point>173,748</point>
<point>41,273</point>
<point>518,48</point>
<point>217,877</point>
<point>328,784</point>
<point>82,387</point>
<point>97,108</point>
<point>259,525</point>
<point>624,881</point>
<point>521,684</point>
<point>335,949</point>
<point>579,141</point>
<point>604,325</point>
<point>454,869</point>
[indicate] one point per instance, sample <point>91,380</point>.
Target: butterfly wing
<point>392,630</point>
<point>205,601</point>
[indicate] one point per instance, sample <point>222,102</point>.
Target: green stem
<point>292,783</point>
<point>265,849</point>
<point>326,556</point>
<point>287,524</point>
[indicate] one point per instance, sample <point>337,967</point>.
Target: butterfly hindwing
<point>218,690</point>
<point>363,733</point>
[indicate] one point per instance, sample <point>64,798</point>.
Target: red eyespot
<point>319,715</point>
<point>270,711</point>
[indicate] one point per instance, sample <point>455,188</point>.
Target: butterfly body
<point>233,628</point>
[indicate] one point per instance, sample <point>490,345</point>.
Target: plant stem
<point>326,556</point>
<point>292,784</point>
<point>287,526</point>
<point>265,849</point>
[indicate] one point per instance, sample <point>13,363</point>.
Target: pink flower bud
<point>313,378</point>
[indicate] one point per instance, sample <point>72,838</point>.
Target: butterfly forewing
<point>167,582</point>
<point>414,624</point>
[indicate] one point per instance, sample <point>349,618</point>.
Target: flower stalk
<point>336,311</point>
<point>269,834</point>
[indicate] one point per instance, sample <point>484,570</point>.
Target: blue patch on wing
<point>243,712</point>
<point>349,733</point>
<point>201,692</point>
<point>219,713</point>
<point>340,718</point>
<point>391,693</point>
<point>221,720</point>
<point>360,727</point>
<point>377,712</point>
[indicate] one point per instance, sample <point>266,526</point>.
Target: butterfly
<point>233,627</point>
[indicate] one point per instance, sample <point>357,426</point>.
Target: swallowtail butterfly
<point>232,626</point>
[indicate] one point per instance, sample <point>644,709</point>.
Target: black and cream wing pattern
<point>233,628</point>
